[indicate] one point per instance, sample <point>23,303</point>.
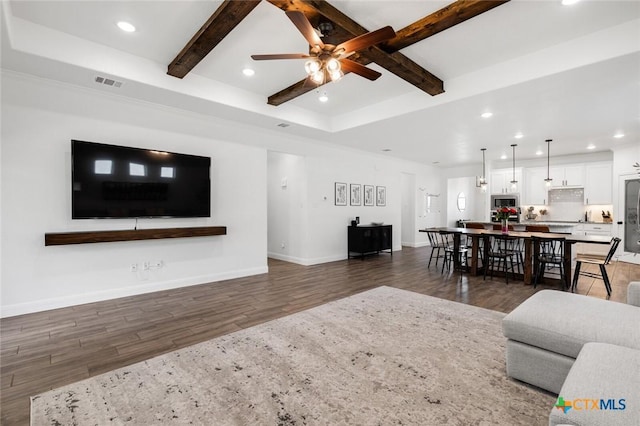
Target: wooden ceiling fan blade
<point>310,84</point>
<point>279,56</point>
<point>350,66</point>
<point>366,40</point>
<point>304,26</point>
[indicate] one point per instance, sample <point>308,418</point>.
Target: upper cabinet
<point>535,188</point>
<point>595,178</point>
<point>569,175</point>
<point>599,183</point>
<point>500,181</point>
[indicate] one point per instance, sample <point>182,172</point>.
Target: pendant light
<point>548,179</point>
<point>514,182</point>
<point>483,179</point>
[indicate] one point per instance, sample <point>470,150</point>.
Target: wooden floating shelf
<point>84,237</point>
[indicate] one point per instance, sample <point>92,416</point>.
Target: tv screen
<point>110,181</point>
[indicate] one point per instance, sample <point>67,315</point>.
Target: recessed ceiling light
<point>619,135</point>
<point>539,152</point>
<point>503,157</point>
<point>486,114</point>
<point>569,2</point>
<point>323,97</point>
<point>126,26</point>
<point>591,146</point>
<point>519,135</point>
<point>248,72</point>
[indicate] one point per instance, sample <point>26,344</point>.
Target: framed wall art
<point>341,194</point>
<point>381,196</point>
<point>356,194</point>
<point>369,195</point>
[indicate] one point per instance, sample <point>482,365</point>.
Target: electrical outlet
<point>282,244</point>
<point>133,267</point>
<point>145,266</point>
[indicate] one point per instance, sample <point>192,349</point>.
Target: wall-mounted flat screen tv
<point>110,181</point>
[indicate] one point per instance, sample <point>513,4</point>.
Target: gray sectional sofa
<point>551,329</point>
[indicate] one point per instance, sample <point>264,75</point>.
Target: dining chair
<point>500,250</point>
<point>449,251</point>
<point>594,259</point>
<point>475,225</point>
<point>437,244</point>
<point>550,258</point>
<point>516,247</point>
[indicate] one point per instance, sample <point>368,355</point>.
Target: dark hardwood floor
<point>49,349</point>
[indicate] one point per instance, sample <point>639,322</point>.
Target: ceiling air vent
<point>107,81</point>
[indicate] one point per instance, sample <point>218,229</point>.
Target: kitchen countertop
<point>558,223</point>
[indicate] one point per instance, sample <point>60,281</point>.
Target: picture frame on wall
<point>369,195</point>
<point>381,196</point>
<point>356,194</point>
<point>341,194</point>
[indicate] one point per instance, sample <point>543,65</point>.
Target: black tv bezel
<point>126,147</point>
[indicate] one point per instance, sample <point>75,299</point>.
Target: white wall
<point>39,119</point>
<point>287,207</point>
<point>409,200</point>
<point>475,200</point>
<point>38,122</point>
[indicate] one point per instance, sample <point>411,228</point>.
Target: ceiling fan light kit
<point>326,62</point>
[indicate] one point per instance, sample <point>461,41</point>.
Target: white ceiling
<point>570,73</point>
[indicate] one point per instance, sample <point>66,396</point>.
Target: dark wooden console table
<point>369,239</point>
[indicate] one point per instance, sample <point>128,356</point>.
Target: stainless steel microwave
<point>502,200</point>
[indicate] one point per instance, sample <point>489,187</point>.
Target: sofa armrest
<point>633,293</point>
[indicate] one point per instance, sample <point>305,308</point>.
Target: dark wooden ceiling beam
<point>224,19</point>
<point>438,21</point>
<point>386,55</point>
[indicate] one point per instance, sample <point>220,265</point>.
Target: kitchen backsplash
<point>567,204</point>
<point>568,211</point>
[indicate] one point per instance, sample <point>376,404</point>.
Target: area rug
<point>382,357</point>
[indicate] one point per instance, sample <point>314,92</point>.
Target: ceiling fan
<point>327,62</point>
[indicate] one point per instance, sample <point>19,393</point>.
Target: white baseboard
<point>416,245</point>
<point>313,261</point>
<point>304,261</point>
<point>80,299</point>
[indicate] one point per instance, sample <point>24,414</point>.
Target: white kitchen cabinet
<point>598,185</point>
<point>567,175</point>
<point>500,181</point>
<point>535,189</point>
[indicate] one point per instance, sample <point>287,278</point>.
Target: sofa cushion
<point>563,322</point>
<point>602,388</point>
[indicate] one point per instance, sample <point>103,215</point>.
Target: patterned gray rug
<point>382,357</point>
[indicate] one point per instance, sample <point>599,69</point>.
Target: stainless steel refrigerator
<point>632,216</point>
